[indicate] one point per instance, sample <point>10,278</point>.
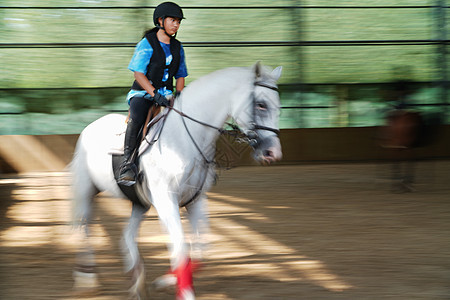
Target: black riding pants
<point>139,107</point>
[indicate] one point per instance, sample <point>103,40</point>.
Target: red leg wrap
<point>184,277</point>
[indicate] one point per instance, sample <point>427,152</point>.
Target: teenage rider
<point>157,59</point>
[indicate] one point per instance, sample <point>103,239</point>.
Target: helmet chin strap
<point>162,27</point>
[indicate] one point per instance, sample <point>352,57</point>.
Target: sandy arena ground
<point>282,232</point>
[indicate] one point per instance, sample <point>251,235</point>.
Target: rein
<point>223,131</point>
<point>251,137</point>
<point>220,130</point>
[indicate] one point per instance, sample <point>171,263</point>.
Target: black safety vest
<point>157,65</point>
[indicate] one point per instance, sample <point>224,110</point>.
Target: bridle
<point>251,137</point>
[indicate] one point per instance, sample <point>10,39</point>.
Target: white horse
<point>178,169</point>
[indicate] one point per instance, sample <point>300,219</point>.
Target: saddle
<point>150,134</point>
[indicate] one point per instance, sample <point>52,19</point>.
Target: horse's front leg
<point>199,221</point>
<point>134,264</point>
<point>168,211</point>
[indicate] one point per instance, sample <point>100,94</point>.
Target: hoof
<point>85,293</point>
<point>166,283</point>
<point>137,293</point>
<point>186,294</point>
<point>137,297</point>
<point>85,284</point>
<point>138,290</point>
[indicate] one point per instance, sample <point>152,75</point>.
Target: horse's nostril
<point>268,153</point>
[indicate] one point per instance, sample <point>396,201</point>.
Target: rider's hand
<point>148,97</point>
<point>160,100</point>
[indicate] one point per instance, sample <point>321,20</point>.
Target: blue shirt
<point>141,58</point>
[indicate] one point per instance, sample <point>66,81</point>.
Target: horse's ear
<point>257,69</point>
<point>276,73</point>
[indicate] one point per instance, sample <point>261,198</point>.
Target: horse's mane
<point>235,74</point>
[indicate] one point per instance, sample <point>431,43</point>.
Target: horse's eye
<point>261,106</point>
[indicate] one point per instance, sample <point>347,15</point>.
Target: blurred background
<point>351,69</point>
<point>64,63</point>
<point>346,66</point>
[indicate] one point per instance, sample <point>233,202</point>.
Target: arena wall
<point>40,153</point>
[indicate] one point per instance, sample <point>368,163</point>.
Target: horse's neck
<point>211,100</point>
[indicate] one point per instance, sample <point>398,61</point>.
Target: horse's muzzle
<point>268,150</point>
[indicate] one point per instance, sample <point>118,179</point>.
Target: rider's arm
<point>182,72</point>
<point>179,84</point>
<point>139,64</point>
<point>145,83</point>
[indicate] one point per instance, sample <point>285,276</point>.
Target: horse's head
<point>259,121</point>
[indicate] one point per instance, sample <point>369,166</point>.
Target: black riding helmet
<point>167,9</point>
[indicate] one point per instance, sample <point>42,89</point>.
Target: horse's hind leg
<point>83,189</point>
<point>134,264</point>
<point>84,274</point>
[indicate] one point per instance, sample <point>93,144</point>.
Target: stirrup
<point>125,177</point>
<point>126,182</point>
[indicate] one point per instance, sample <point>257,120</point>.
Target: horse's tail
<point>83,189</point>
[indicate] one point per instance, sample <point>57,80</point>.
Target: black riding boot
<point>128,169</point>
